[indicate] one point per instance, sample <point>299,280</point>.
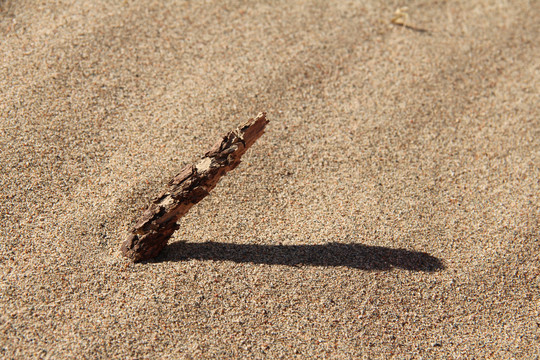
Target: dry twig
<point>159,221</point>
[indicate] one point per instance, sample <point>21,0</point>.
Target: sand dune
<point>390,210</point>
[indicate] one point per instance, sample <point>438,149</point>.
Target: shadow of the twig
<point>356,256</point>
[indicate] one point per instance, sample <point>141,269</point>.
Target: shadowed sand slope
<point>390,210</point>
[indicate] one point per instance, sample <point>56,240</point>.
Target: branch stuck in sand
<point>159,221</point>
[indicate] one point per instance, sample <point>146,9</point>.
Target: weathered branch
<point>159,221</point>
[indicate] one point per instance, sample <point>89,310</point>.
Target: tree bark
<point>159,221</point>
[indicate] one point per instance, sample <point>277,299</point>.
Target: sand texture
<point>391,209</point>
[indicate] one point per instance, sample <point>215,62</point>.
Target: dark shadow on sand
<point>356,256</point>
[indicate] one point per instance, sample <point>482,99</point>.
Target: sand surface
<point>391,209</point>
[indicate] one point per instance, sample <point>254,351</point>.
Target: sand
<point>391,210</point>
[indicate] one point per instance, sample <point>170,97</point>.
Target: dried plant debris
<point>157,224</point>
<point>401,18</point>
